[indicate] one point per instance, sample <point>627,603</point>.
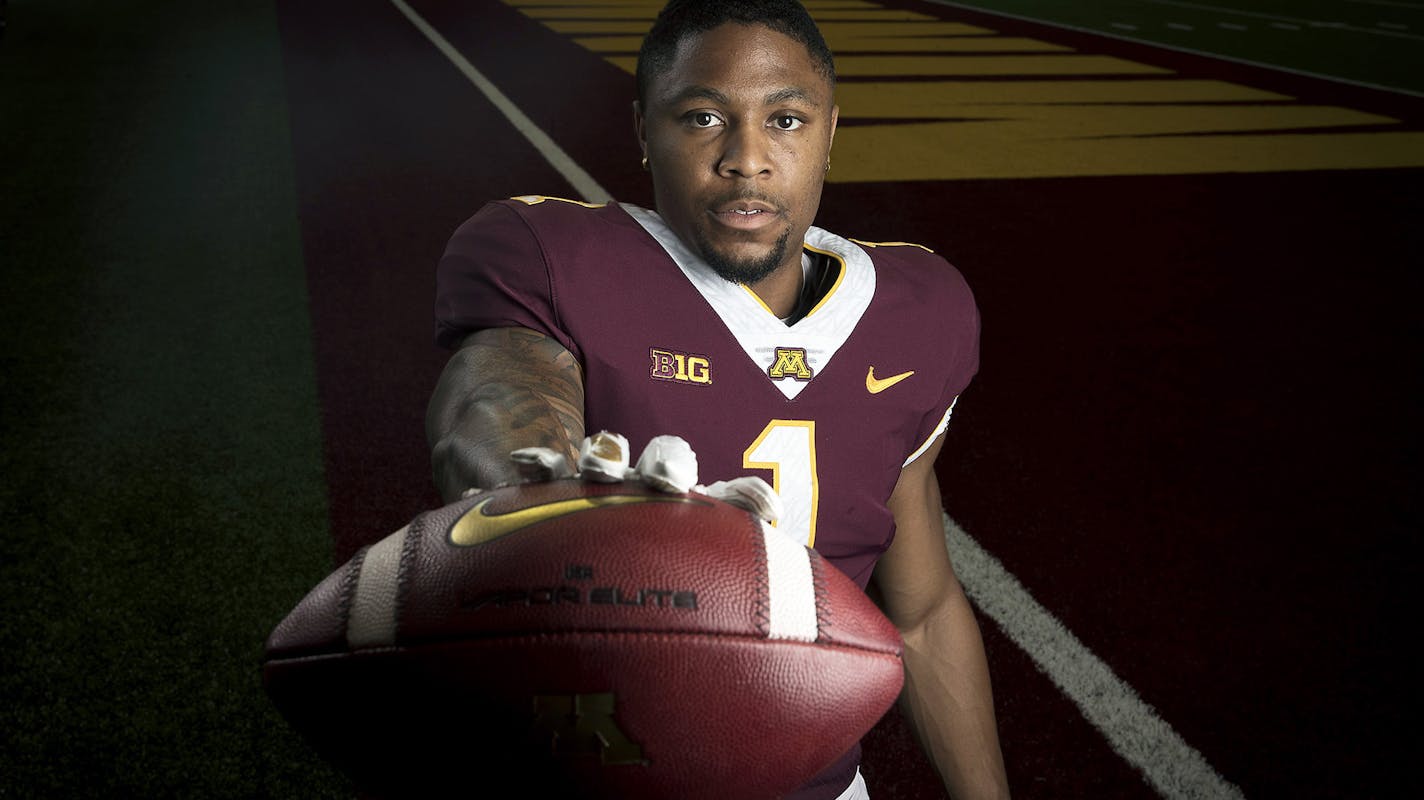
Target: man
<point>727,319</point>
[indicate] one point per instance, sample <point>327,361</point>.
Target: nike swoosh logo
<point>876,386</point>
<point>478,526</point>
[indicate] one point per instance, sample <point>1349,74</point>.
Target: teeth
<point>746,213</point>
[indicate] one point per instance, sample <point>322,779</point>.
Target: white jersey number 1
<point>787,447</point>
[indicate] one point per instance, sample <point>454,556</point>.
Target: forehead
<point>734,57</point>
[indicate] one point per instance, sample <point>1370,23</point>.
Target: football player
<point>772,347</point>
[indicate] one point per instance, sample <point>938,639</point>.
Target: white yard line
<point>1133,729</point>
<point>583,183</point>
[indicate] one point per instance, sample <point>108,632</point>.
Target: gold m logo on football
<point>790,362</point>
<point>670,365</point>
<point>582,725</point>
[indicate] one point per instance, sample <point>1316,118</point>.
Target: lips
<point>745,214</point>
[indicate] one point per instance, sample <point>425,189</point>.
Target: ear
<point>639,129</point>
<point>835,115</point>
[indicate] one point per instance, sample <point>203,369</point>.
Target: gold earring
<point>828,163</point>
<point>645,164</point>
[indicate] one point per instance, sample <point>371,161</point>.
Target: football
<point>570,639</point>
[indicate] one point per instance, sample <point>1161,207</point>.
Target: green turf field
<point>1374,42</point>
<point>162,497</point>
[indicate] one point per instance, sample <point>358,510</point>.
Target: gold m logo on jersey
<point>670,365</point>
<point>582,725</point>
<point>790,362</point>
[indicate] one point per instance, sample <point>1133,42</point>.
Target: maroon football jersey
<point>828,410</point>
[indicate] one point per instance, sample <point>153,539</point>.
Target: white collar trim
<point>766,340</point>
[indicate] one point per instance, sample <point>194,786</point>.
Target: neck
<point>781,290</point>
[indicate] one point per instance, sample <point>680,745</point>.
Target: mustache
<point>749,195</point>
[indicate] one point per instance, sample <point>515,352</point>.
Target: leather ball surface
<point>568,639</point>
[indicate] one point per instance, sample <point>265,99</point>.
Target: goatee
<point>747,271</point>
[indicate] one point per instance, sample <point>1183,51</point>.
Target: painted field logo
<point>582,725</point>
<point>670,365</point>
<point>790,362</point>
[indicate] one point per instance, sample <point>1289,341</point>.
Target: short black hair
<point>682,18</point>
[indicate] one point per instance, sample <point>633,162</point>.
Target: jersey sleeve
<point>494,274</point>
<point>959,345</point>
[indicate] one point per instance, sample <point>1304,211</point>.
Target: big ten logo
<point>790,362</point>
<point>670,365</point>
<point>582,725</point>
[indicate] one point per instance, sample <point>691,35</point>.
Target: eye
<point>703,119</point>
<point>786,122</point>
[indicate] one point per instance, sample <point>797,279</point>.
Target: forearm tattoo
<point>507,388</point>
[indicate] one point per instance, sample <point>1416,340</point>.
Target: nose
<point>746,154</point>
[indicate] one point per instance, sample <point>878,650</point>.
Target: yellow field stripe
<point>840,31</point>
<point>978,66</point>
<point>610,44</point>
<point>621,27</point>
<point>886,44</point>
<point>879,66</point>
<point>527,4</point>
<point>923,99</point>
<point>819,5</point>
<point>945,44</point>
<point>648,13</point>
<point>811,5</point>
<point>1020,126</point>
<point>976,151</point>
<point>611,13</point>
<point>875,16</point>
<point>831,30</point>
<point>822,5</point>
<point>870,15</point>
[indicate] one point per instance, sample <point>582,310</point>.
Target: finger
<point>668,464</point>
<point>539,464</point>
<point>603,458</point>
<point>750,493</point>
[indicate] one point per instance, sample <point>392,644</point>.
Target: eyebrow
<point>700,92</point>
<point>774,99</point>
<point>791,93</point>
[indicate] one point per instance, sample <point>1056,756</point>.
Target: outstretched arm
<point>947,694</point>
<point>504,389</point>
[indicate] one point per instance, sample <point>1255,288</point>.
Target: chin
<point>744,264</point>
